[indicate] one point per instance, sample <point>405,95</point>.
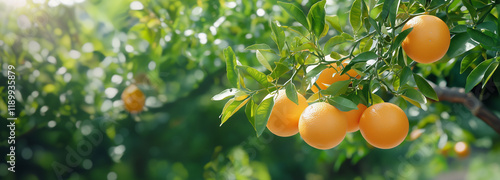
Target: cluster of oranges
<point>323,126</point>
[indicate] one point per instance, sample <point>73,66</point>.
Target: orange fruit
<point>284,118</point>
<point>384,125</point>
<point>462,149</point>
<point>429,40</point>
<point>332,74</point>
<point>133,99</point>
<point>353,117</point>
<point>322,126</point>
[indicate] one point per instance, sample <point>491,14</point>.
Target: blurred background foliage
<point>74,57</point>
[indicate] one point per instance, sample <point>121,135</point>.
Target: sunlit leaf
<point>316,17</point>
<point>460,44</point>
<point>489,72</point>
<point>250,112</point>
<point>232,75</point>
<point>467,61</point>
<point>295,12</point>
<point>262,114</point>
<point>363,57</point>
<point>232,106</point>
<point>337,88</point>
<point>291,93</point>
<point>355,15</point>
<point>414,95</point>
<point>482,38</point>
<point>260,77</point>
<point>334,22</point>
<point>225,94</point>
<point>262,60</point>
<point>262,47</point>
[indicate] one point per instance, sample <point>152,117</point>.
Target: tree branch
<point>476,107</point>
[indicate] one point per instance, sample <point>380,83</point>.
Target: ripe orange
<point>284,118</point>
<point>322,126</point>
<point>429,40</point>
<point>133,99</point>
<point>384,125</point>
<point>462,149</point>
<point>331,75</point>
<point>353,117</point>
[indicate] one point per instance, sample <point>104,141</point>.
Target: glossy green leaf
<point>374,24</point>
<point>355,15</point>
<point>460,44</point>
<point>467,61</point>
<point>262,60</point>
<point>425,87</point>
<point>232,106</point>
<point>482,38</point>
<point>306,46</point>
<point>414,97</point>
<point>291,93</point>
<point>406,74</point>
<point>262,114</point>
<point>279,70</point>
<point>232,74</point>
<point>470,8</point>
<point>334,22</point>
<point>250,112</point>
<point>337,88</point>
<point>260,77</point>
<point>489,72</point>
<point>316,18</point>
<point>386,9</point>
<point>376,99</point>
<point>363,57</point>
<point>295,12</point>
<point>343,103</point>
<point>476,75</point>
<point>393,12</point>
<point>400,38</point>
<point>278,35</point>
<point>334,41</point>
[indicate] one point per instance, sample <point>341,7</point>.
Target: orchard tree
<point>324,80</point>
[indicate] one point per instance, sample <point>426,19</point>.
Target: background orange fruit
<point>322,126</point>
<point>429,40</point>
<point>384,125</point>
<point>353,117</point>
<point>284,118</point>
<point>133,99</point>
<point>462,149</point>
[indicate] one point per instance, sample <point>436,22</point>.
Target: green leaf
<point>496,80</point>
<point>334,22</point>
<point>262,60</point>
<point>335,55</point>
<point>225,94</point>
<point>460,44</point>
<point>386,9</point>
<point>260,77</point>
<point>278,36</point>
<point>459,29</point>
<point>334,41</point>
<point>262,47</point>
<point>376,99</point>
<point>337,88</point>
<point>489,72</point>
<point>232,75</point>
<point>425,87</point>
<point>291,93</point>
<point>355,15</point>
<point>250,112</point>
<point>467,61</point>
<point>295,12</point>
<point>343,103</point>
<point>374,24</point>
<point>262,114</point>
<point>400,101</point>
<point>393,12</point>
<point>472,10</point>
<point>400,38</point>
<point>363,57</point>
<point>482,38</point>
<point>279,70</point>
<point>231,107</point>
<point>306,46</point>
<point>406,73</point>
<point>316,18</point>
<point>415,95</point>
<point>476,75</point>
